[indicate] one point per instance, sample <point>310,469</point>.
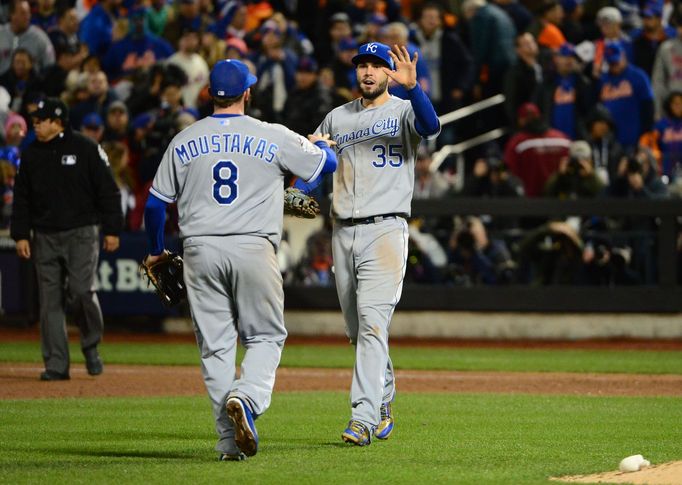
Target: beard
<point>375,91</point>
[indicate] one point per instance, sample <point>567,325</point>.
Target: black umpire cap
<point>51,109</point>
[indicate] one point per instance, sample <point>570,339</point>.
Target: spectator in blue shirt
<point>668,133</point>
<point>96,28</point>
<point>137,50</point>
<point>569,94</point>
<point>625,90</point>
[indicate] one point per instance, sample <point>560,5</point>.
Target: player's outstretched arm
<point>426,120</point>
<point>324,143</point>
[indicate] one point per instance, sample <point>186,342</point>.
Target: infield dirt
<point>663,474</point>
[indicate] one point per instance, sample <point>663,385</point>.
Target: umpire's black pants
<point>66,263</point>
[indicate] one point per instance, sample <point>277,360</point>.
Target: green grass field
<point>341,356</point>
<point>439,438</point>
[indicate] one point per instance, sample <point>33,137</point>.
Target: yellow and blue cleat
<point>385,428</point>
<point>357,433</point>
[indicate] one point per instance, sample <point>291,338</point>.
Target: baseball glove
<point>166,276</point>
<point>298,204</point>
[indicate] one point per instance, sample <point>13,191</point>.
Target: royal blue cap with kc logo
<point>374,49</point>
<point>230,78</point>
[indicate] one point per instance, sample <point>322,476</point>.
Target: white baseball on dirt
<point>633,463</point>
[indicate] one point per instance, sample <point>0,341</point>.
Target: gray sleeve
<point>165,184</point>
<point>298,156</point>
<point>325,126</point>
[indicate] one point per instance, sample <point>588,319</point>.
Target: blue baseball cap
<point>566,49</point>
<point>143,120</point>
<point>347,44</point>
<point>92,120</point>
<point>378,19</point>
<point>569,6</point>
<point>11,154</point>
<point>307,64</point>
<point>613,52</point>
<point>653,9</point>
<point>374,49</point>
<point>230,78</point>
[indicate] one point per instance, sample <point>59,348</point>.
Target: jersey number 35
<point>394,158</point>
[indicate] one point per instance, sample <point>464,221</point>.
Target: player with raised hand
<point>376,137</point>
<point>226,174</point>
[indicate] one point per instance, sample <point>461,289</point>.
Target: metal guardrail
<point>439,157</point>
<point>458,149</point>
<point>471,109</point>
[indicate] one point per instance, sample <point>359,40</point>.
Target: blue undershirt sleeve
<point>426,121</point>
<point>329,166</point>
<point>154,220</point>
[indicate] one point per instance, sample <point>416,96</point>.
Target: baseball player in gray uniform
<point>376,137</point>
<point>226,174</point>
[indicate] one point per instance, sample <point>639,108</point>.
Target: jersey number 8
<point>225,174</point>
<point>394,159</point>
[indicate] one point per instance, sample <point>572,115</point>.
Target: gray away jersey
<point>376,150</point>
<point>226,173</point>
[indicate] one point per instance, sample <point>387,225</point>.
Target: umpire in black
<point>63,192</point>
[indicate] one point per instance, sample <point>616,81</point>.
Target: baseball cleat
<point>50,375</point>
<point>356,433</point>
<point>93,362</point>
<point>385,428</point>
<point>246,435</point>
<point>233,456</point>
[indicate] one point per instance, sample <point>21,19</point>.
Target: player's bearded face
<point>372,82</point>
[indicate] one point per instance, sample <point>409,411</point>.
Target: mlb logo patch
<point>68,159</point>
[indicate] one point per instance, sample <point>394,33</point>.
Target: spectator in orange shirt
<point>545,28</point>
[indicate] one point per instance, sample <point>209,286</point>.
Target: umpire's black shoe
<point>50,375</point>
<point>93,362</point>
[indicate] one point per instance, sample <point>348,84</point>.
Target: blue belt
<point>369,220</point>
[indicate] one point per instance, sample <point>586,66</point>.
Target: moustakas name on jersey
<point>223,161</point>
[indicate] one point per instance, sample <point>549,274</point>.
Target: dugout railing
<point>665,296</point>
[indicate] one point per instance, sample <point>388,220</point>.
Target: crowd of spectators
<point>593,108</point>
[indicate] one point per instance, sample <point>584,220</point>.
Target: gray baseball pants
<point>234,289</point>
<point>369,266</point>
<point>66,265</point>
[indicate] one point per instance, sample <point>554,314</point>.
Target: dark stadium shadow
<point>171,455</point>
<point>157,435</point>
<point>337,444</point>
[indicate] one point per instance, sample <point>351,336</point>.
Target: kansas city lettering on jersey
<point>226,143</point>
<point>387,126</point>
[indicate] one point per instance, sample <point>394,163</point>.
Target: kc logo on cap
<point>377,50</point>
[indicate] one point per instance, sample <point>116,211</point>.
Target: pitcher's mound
<point>663,474</point>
